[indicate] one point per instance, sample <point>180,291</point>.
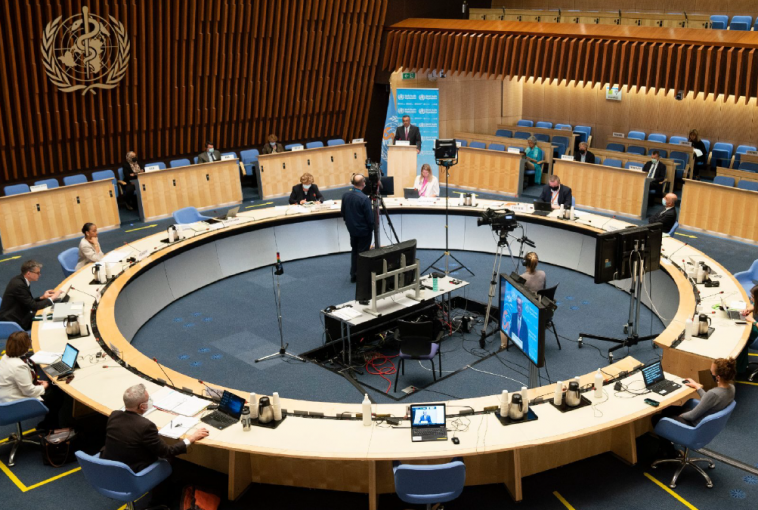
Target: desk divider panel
<point>193,269</point>
<point>149,294</point>
<point>246,251</point>
<point>124,315</point>
<point>308,238</point>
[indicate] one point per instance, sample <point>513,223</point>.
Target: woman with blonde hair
<point>535,280</point>
<point>306,191</point>
<point>426,183</point>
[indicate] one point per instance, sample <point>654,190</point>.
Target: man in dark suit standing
<point>359,219</point>
<point>133,439</point>
<point>209,155</point>
<point>519,328</point>
<point>666,217</point>
<point>583,154</point>
<point>655,170</point>
<point>408,132</point>
<point>556,194</point>
<point>19,305</point>
<point>272,146</point>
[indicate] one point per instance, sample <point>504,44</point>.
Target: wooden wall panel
<point>229,70</point>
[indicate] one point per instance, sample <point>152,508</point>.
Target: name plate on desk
<point>458,144</point>
<point>685,142</point>
<point>297,148</point>
<point>566,157</point>
<point>635,167</point>
<point>566,128</point>
<point>751,153</point>
<point>403,143</point>
<point>227,157</point>
<point>514,150</point>
<point>618,135</point>
<point>141,255</point>
<point>232,221</point>
<point>357,140</point>
<point>152,168</point>
<point>38,187</point>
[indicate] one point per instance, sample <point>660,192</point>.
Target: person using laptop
<point>556,194</point>
<point>535,280</point>
<point>89,246</point>
<point>18,304</point>
<point>18,380</point>
<point>306,191</point>
<point>426,183</point>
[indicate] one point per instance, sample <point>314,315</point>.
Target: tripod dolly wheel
<point>580,343</point>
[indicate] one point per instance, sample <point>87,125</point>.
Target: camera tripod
<point>446,255</point>
<point>377,203</point>
<point>502,243</point>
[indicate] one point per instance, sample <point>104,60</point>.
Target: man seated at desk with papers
<point>306,191</point>
<point>556,194</point>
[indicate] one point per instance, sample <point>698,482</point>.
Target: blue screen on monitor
<point>520,320</point>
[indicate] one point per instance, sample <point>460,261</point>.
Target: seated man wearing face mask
<point>209,155</point>
<point>666,217</point>
<point>655,170</point>
<point>556,194</point>
<point>272,146</point>
<point>306,191</point>
<point>583,154</point>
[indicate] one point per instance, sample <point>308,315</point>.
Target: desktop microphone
<point>278,267</point>
<point>96,297</point>
<point>164,372</point>
<point>669,257</point>
<point>214,393</point>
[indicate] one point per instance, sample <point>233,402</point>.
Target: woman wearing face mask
<point>272,146</point>
<point>132,169</point>
<point>306,191</point>
<point>534,156</point>
<point>89,247</point>
<point>426,183</point>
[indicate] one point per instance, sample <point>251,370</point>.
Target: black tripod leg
<point>462,266</point>
<point>556,335</point>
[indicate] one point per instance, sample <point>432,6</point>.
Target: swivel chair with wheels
<point>68,260</point>
<point>16,412</point>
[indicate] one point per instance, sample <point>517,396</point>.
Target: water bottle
<point>435,284</point>
<point>366,411</point>
<point>598,384</point>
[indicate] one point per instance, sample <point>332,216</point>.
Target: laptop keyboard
<point>59,366</point>
<point>222,418</point>
<point>734,315</point>
<point>664,385</point>
<point>428,432</point>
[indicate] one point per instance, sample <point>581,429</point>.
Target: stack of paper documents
<point>179,403</point>
<point>177,427</point>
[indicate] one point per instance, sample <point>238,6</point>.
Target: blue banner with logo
<point>423,106</point>
<point>390,124</point>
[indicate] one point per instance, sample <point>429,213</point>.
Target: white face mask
<point>210,149</point>
<point>306,187</point>
<point>149,405</point>
<point>664,202</point>
<point>273,144</point>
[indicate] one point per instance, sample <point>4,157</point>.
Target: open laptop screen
<point>69,355</point>
<point>231,404</point>
<point>652,373</point>
<point>428,415</point>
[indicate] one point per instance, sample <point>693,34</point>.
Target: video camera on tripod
<point>373,179</point>
<point>501,221</point>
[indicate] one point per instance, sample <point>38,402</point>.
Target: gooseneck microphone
<point>95,297</point>
<point>164,372</point>
<point>214,393</point>
<point>278,267</point>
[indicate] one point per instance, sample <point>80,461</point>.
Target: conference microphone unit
<point>213,393</point>
<point>164,372</point>
<point>278,268</point>
<point>684,245</point>
<point>96,296</point>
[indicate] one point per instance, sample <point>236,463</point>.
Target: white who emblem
<point>85,52</point>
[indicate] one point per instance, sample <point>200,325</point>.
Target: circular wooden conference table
<point>342,454</point>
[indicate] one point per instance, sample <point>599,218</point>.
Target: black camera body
<point>503,220</point>
<point>373,178</point>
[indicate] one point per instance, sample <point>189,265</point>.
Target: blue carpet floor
<point>594,484</point>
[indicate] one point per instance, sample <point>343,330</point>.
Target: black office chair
<point>418,342</point>
<point>550,294</point>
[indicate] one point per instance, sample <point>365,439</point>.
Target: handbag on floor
<point>196,499</point>
<point>58,447</point>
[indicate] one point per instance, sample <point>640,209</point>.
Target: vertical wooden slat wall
<point>228,70</point>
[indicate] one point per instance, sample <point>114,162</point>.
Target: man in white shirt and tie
<point>656,171</point>
<point>209,155</point>
<point>408,132</point>
<point>519,328</point>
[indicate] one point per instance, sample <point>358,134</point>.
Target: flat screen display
<point>431,415</point>
<point>69,355</point>
<point>520,320</point>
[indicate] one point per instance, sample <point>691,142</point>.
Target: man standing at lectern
<point>409,133</point>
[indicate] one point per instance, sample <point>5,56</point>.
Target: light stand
<point>446,255</point>
<point>278,270</point>
<point>501,244</point>
<point>631,327</point>
<point>377,202</point>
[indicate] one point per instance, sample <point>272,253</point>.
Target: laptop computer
<point>428,422</point>
<point>734,315</point>
<point>64,297</point>
<point>655,381</point>
<point>228,412</point>
<point>66,364</point>
<point>542,208</point>
<point>231,213</point>
<point>410,193</point>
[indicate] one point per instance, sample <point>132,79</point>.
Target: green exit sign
<point>409,76</point>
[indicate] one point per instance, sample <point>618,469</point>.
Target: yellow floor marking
<point>258,205</point>
<point>18,483</point>
<point>142,228</point>
<point>685,235</point>
<point>668,489</point>
<point>752,354</point>
<point>11,258</point>
<point>562,500</point>
<point>746,382</point>
<point>52,479</point>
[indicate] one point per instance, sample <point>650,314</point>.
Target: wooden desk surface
<point>41,217</point>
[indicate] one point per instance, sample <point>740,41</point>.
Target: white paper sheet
<point>177,427</point>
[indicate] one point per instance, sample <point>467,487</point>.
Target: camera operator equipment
<point>502,222</point>
<point>446,155</point>
<point>374,189</point>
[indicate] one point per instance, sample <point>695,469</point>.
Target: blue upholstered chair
<point>314,145</point>
<point>636,135</point>
<point>676,140</point>
<point>584,132</point>
<point>615,147</point>
<point>51,183</point>
<point>723,180</point>
<point>616,163</point>
<point>748,185</point>
<point>14,413</point>
<point>104,175</point>
<point>522,135</point>
<point>741,23</point>
<point>748,278</point>
<point>16,189</point>
<point>541,137</point>
<point>463,143</point>
<point>504,132</point>
<point>741,149</point>
<point>525,123</point>
<point>429,484</point>
<point>636,149</point>
<point>336,141</point>
<point>681,159</point>
<point>417,342</point>
<point>544,125</point>
<point>176,163</point>
<point>562,144</point>
<point>497,147</point>
<point>567,127</point>
<point>692,438</point>
<point>74,179</point>
<point>721,155</point>
<point>116,481</point>
<point>161,165</point>
<point>249,160</point>
<point>657,137</point>
<point>188,215</point>
<point>748,166</point>
<point>719,21</point>
<point>477,145</point>
<point>673,229</point>
<point>68,260</point>
<point>292,146</point>
<point>194,160</point>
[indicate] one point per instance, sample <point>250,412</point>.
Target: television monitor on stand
<point>373,261</point>
<point>523,319</point>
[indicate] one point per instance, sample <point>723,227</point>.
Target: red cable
<point>377,365</point>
